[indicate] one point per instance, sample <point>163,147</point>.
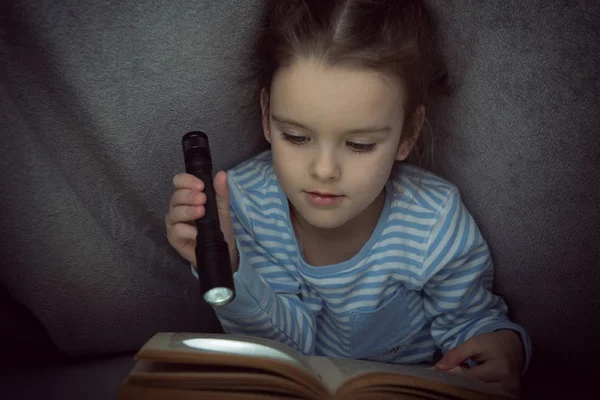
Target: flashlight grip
<point>212,252</point>
<point>212,257</point>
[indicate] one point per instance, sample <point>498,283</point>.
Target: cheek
<point>371,174</point>
<point>287,161</point>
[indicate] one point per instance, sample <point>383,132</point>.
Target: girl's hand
<point>499,356</point>
<point>187,205</point>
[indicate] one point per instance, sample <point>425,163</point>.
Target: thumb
<point>222,195</point>
<point>456,356</point>
<point>222,191</point>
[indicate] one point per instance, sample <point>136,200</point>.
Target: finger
<point>220,184</point>
<point>182,233</point>
<point>222,192</point>
<point>184,214</point>
<point>187,181</point>
<point>457,355</point>
<point>187,197</point>
<point>183,239</point>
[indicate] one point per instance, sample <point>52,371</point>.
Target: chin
<point>327,224</point>
<point>326,219</point>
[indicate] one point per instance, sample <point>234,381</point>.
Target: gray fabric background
<point>94,99</point>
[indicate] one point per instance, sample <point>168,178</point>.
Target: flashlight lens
<point>218,296</point>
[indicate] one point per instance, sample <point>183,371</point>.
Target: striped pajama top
<point>421,283</point>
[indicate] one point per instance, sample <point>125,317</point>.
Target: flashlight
<point>212,253</point>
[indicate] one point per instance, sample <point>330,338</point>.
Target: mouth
<point>324,194</point>
<point>324,198</point>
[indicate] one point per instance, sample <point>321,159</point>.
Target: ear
<point>411,133</point>
<point>264,106</point>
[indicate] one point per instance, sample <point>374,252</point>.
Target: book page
<point>230,344</point>
<point>333,372</point>
<point>328,372</point>
<point>336,371</point>
<point>210,378</point>
<point>351,368</point>
<point>230,356</point>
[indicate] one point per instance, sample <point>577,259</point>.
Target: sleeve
<point>267,302</point>
<point>458,296</point>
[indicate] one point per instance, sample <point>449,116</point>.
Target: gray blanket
<point>95,97</point>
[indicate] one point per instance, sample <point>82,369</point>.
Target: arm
<point>458,295</point>
<point>266,303</point>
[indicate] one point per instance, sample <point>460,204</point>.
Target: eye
<point>361,147</point>
<point>295,139</point>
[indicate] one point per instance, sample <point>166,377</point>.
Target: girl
<point>340,246</point>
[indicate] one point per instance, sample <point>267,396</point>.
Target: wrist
<point>519,347</point>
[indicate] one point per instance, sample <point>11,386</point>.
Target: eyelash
<point>359,148</point>
<point>294,139</point>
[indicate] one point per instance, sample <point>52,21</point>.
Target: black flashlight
<point>212,253</point>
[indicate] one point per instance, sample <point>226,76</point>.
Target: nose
<point>325,167</point>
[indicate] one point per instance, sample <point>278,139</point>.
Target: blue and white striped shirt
<point>422,282</point>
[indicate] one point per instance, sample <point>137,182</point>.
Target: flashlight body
<point>212,253</point>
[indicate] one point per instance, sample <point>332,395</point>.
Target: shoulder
<point>418,191</point>
<point>424,208</point>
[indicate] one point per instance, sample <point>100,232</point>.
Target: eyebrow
<point>368,129</point>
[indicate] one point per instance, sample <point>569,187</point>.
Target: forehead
<point>336,98</point>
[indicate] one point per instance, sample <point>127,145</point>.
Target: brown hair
<point>391,36</point>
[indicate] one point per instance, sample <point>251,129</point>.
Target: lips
<point>324,199</point>
<point>325,194</point>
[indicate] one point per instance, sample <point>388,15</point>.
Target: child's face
<point>337,131</point>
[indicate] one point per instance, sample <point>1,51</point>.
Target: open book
<point>225,366</point>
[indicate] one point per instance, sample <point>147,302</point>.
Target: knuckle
<point>174,199</point>
<point>178,229</point>
<point>178,215</point>
<point>189,213</point>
